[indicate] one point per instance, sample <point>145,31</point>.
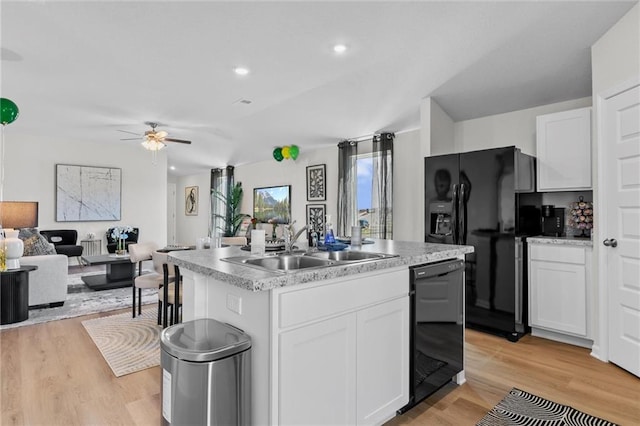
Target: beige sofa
<point>47,284</point>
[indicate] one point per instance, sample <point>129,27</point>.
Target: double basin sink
<point>316,259</point>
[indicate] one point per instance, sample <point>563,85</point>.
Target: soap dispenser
<point>328,235</point>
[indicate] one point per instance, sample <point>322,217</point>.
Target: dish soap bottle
<point>328,235</point>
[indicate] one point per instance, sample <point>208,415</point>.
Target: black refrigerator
<point>486,199</point>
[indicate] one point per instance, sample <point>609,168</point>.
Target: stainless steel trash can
<point>206,374</point>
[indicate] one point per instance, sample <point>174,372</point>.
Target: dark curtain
<point>382,197</point>
<point>221,183</point>
<point>347,181</point>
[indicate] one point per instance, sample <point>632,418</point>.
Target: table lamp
<point>14,215</point>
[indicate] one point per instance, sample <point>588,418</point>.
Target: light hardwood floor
<point>52,374</point>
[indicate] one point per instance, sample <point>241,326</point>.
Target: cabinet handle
<point>610,242</point>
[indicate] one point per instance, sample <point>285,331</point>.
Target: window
<point>365,181</point>
<point>367,201</point>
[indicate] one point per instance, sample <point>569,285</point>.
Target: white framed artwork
<point>88,193</point>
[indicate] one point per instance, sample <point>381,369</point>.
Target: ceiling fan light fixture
<point>153,145</point>
<point>339,48</point>
<point>241,70</point>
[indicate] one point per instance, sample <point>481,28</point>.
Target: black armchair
<point>112,243</point>
<point>64,241</point>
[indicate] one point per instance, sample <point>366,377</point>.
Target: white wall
<point>512,128</point>
<point>294,173</point>
<point>615,58</point>
<point>30,176</point>
<point>408,184</point>
<point>189,228</point>
<point>442,131</point>
<point>408,200</point>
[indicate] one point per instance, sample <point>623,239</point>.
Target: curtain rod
<point>366,137</point>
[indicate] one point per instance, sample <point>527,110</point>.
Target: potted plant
<point>232,218</point>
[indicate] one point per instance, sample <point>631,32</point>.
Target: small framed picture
<point>315,217</point>
<point>316,182</point>
<point>191,201</point>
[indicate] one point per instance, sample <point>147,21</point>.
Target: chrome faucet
<point>289,237</point>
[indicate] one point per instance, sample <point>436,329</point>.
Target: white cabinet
<point>382,360</point>
<point>564,150</point>
<point>346,362</point>
<point>560,293</point>
<point>317,373</point>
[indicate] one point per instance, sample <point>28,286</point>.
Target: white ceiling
<point>86,69</point>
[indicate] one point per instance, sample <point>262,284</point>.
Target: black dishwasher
<point>437,327</point>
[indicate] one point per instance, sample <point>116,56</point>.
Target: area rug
<point>522,408</point>
<point>127,344</point>
<point>81,300</point>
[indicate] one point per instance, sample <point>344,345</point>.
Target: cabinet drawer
<point>557,253</point>
<point>339,296</point>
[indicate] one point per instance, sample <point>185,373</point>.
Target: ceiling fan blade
<point>132,139</point>
<point>126,131</point>
<point>176,140</point>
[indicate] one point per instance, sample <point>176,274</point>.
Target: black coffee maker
<point>552,221</point>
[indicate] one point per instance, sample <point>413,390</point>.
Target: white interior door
<point>171,213</point>
<point>621,136</point>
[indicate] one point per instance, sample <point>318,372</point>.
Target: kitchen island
<point>330,345</point>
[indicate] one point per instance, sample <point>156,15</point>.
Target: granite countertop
<point>567,241</point>
<point>208,262</point>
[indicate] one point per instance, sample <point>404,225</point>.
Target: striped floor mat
<point>522,408</point>
<point>127,344</point>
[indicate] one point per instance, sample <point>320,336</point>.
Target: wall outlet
<point>234,303</point>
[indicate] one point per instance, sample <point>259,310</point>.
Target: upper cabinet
<point>564,150</point>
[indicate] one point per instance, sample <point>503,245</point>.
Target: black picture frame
<point>272,203</point>
<point>317,182</point>
<point>316,214</point>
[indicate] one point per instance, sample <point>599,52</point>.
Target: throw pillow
<point>34,243</point>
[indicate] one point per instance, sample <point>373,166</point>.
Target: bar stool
<point>170,294</point>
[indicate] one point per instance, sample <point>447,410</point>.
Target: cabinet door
<point>383,360</point>
<point>564,150</point>
<point>317,380</point>
<point>558,297</point>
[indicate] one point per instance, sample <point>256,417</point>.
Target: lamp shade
<point>18,214</point>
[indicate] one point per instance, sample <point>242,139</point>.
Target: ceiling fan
<point>154,140</point>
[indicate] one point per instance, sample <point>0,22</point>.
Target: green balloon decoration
<point>8,111</point>
<point>294,151</point>
<point>277,154</point>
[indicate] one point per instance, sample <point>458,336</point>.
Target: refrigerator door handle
<point>519,281</point>
<point>454,214</point>
<point>462,231</point>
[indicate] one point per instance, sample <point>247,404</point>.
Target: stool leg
<point>139,301</point>
<point>159,312</point>
<point>133,315</point>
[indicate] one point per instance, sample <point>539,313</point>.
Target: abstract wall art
<point>191,201</point>
<point>87,193</point>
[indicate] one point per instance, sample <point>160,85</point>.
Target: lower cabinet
<point>382,356</point>
<point>350,368</point>
<point>560,292</point>
<point>317,373</point>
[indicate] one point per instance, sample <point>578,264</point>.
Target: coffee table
<point>119,272</point>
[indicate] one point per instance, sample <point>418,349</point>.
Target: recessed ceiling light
<point>241,70</point>
<point>172,167</point>
<point>339,48</point>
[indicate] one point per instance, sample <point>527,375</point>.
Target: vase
<point>13,248</point>
<point>121,252</point>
